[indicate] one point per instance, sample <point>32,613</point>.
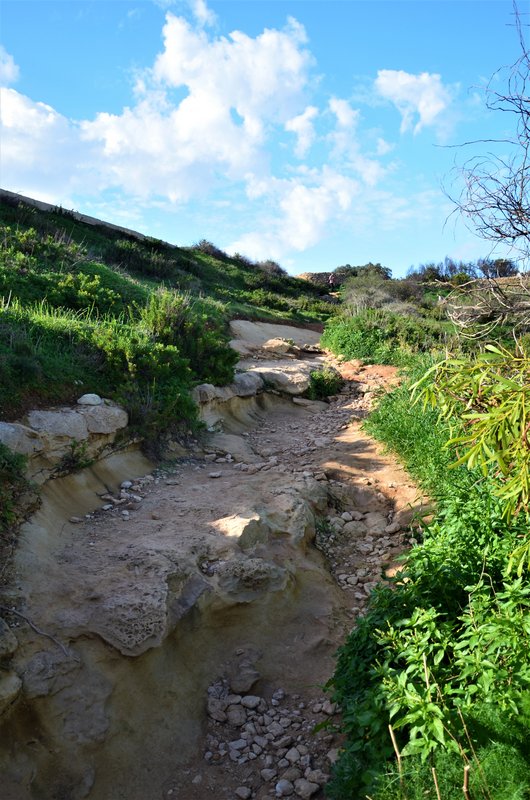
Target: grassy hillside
<point>88,308</point>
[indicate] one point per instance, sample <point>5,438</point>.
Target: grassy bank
<point>87,308</point>
<point>438,670</point>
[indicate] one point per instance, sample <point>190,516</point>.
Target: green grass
<point>87,308</point>
<point>384,337</point>
<point>443,652</point>
<point>201,269</point>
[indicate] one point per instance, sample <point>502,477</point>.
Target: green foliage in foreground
<point>489,394</point>
<point>383,337</point>
<point>443,652</point>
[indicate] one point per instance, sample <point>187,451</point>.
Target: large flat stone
<point>104,418</point>
<point>60,423</point>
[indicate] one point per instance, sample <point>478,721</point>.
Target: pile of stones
<point>270,743</point>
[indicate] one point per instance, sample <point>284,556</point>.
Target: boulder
<point>244,580</point>
<point>247,384</point>
<point>248,530</point>
<point>20,438</point>
<point>59,424</point>
<point>90,400</point>
<point>293,381</point>
<point>278,345</point>
<point>104,418</point>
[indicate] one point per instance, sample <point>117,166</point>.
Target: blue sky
<point>316,133</point>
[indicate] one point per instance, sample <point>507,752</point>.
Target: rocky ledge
<point>59,439</point>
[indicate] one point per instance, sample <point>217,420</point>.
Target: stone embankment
<point>168,630</point>
<point>56,440</point>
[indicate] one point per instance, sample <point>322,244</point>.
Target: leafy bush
<point>324,382</point>
<point>442,655</point>
<point>12,484</point>
<point>210,249</point>
<point>197,327</point>
<point>498,768</point>
<point>382,337</point>
<point>271,267</point>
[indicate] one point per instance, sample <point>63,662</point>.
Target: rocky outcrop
<point>60,439</point>
<point>288,379</point>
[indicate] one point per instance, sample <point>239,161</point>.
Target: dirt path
<point>202,587</point>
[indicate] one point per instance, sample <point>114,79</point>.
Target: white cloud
<point>303,208</point>
<point>422,96</point>
<point>9,71</point>
<point>347,117</point>
<point>41,150</point>
<point>302,126</point>
<point>207,124</point>
<point>237,90</point>
<point>260,78</point>
<point>344,135</point>
<point>346,145</point>
<point>203,14</point>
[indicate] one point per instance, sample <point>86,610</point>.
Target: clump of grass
<point>324,383</point>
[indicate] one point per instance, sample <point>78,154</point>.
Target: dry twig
<point>32,625</point>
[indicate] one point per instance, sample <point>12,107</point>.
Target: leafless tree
<point>495,202</point>
<point>495,198</point>
<point>478,307</point>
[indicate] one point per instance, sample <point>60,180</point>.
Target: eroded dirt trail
<point>199,612</point>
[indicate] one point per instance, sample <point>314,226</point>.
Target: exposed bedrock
<point>139,621</point>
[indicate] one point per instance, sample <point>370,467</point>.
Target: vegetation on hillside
<point>88,308</point>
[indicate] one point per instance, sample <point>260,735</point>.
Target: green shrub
<point>383,337</point>
<point>323,383</point>
<point>444,646</point>
<point>499,768</point>
<point>197,327</point>
<point>12,484</point>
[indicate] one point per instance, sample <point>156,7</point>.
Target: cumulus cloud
<point>423,97</point>
<point>261,77</point>
<point>302,126</point>
<point>236,90</point>
<point>347,117</point>
<point>9,71</point>
<point>203,14</point>
<point>304,207</point>
<point>207,123</point>
<point>41,149</point>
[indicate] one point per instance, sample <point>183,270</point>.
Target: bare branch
<point>494,198</point>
